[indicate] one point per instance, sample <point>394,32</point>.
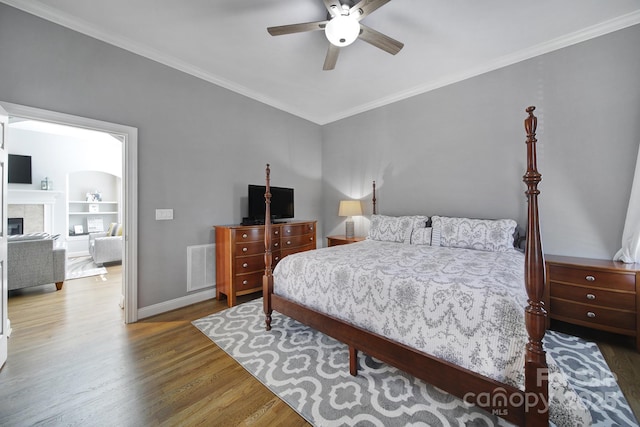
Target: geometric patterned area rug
<point>83,267</point>
<point>310,372</point>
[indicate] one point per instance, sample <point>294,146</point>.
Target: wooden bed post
<point>375,209</point>
<point>267,279</point>
<point>536,372</point>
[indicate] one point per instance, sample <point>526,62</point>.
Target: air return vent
<point>201,267</point>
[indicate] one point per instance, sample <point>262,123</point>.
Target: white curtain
<point>630,251</point>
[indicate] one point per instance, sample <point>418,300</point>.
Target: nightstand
<point>342,240</point>
<point>599,294</point>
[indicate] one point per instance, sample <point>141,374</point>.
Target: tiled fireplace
<point>35,207</point>
<point>32,216</point>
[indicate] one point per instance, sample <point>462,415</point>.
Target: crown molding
<point>585,34</point>
<point>83,27</point>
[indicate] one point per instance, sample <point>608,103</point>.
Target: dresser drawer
<point>249,264</point>
<point>297,229</point>
<point>593,315</point>
<point>252,248</point>
<point>248,281</point>
<point>254,234</point>
<point>295,241</point>
<point>592,278</point>
<point>594,296</point>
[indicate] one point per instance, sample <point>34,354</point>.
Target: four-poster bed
<point>527,405</point>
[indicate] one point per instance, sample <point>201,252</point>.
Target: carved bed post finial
<point>375,209</point>
<point>267,279</point>
<point>535,314</point>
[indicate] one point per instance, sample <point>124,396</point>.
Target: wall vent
<point>201,267</point>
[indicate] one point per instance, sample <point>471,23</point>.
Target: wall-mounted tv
<point>19,169</point>
<point>281,203</point>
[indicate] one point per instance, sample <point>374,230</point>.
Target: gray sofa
<point>104,248</point>
<point>34,261</point>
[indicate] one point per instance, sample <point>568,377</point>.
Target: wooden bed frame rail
<point>528,407</point>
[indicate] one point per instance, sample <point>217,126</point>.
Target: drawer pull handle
<point>244,249</point>
<point>288,242</point>
<point>591,314</point>
<point>245,265</point>
<point>277,258</point>
<point>244,236</point>
<point>311,238</point>
<point>591,296</point>
<point>244,282</point>
<point>590,279</point>
<point>276,244</point>
<point>277,232</point>
<point>288,231</point>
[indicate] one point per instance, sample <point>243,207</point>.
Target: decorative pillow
<point>395,228</point>
<point>421,236</point>
<point>482,234</point>
<point>115,229</point>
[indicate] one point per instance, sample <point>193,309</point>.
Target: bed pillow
<point>482,234</point>
<point>395,228</point>
<point>421,236</point>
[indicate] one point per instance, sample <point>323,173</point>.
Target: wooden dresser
<point>240,254</point>
<point>599,294</point>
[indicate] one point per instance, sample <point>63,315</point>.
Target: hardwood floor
<point>72,361</point>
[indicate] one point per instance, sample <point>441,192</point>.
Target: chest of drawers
<point>240,254</point>
<point>600,294</point>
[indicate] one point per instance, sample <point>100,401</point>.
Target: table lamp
<point>349,208</point>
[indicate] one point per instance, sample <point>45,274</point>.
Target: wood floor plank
<point>73,361</point>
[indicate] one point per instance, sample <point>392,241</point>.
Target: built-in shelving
<point>92,216</point>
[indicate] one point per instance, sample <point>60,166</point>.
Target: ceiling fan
<point>342,27</point>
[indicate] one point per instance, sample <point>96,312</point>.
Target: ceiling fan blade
<point>379,40</point>
<point>331,58</point>
<point>333,7</point>
<point>297,28</point>
<point>367,7</point>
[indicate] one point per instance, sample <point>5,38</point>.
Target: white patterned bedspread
<point>461,305</point>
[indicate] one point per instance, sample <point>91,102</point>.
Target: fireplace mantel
<point>32,197</point>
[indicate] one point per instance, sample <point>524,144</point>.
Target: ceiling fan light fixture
<point>342,30</point>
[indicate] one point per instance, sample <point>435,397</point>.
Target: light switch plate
<point>164,214</point>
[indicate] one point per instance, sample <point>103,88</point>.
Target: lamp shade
<point>350,208</point>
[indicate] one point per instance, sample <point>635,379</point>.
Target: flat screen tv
<point>281,203</point>
<point>19,169</point>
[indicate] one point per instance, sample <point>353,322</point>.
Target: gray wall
<point>460,150</point>
<point>199,145</point>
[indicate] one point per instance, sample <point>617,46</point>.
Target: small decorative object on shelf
<point>46,184</point>
<point>96,196</point>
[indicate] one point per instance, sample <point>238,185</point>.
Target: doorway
<point>129,186</point>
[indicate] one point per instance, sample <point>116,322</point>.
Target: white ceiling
<point>226,42</point>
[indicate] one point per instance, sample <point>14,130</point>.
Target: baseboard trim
<point>173,304</point>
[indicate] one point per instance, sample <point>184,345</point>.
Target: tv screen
<point>281,202</point>
<point>19,169</point>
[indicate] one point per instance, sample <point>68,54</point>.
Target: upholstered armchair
<point>105,248</point>
<point>35,262</point>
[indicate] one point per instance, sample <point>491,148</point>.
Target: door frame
<point>129,136</point>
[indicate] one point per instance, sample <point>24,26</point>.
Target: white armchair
<point>104,248</point>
